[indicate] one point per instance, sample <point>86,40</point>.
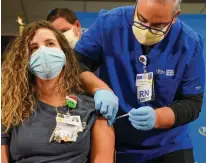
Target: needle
<point>122,116</point>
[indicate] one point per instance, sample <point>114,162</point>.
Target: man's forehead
<point>159,1</point>
<point>62,24</point>
<point>155,12</point>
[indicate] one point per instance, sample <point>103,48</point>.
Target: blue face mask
<point>47,63</point>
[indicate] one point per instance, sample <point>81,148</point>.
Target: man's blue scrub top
<point>178,66</point>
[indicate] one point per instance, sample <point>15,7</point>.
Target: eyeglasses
<point>159,32</point>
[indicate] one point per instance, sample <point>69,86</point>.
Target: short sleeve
<point>5,136</point>
<point>90,44</point>
<point>193,80</point>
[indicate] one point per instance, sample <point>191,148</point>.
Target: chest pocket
<point>165,90</point>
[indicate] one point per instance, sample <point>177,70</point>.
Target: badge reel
<point>67,126</point>
<point>143,60</point>
<point>144,83</point>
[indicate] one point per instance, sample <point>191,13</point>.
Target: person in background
<point>41,87</point>
<point>154,63</point>
<point>65,20</point>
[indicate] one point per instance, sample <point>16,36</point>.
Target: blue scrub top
<point>178,66</point>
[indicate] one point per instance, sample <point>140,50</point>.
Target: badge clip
<point>143,60</point>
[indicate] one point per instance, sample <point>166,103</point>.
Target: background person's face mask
<point>145,37</point>
<point>47,63</point>
<point>71,38</point>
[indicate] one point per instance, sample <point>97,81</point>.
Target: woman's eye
<point>50,44</point>
<point>33,49</point>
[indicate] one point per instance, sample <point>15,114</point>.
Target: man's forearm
<point>181,112</point>
<point>165,118</point>
<point>90,81</point>
<point>93,83</point>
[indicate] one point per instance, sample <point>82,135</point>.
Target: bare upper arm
<point>103,142</point>
<point>4,153</point>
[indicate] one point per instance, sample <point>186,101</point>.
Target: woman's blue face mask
<point>47,62</point>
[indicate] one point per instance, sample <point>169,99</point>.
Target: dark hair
<point>65,13</point>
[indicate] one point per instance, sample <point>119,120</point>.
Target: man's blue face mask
<point>47,63</point>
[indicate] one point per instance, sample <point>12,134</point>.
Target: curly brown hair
<point>18,85</point>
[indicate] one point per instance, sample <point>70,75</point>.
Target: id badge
<point>67,128</point>
<point>145,87</point>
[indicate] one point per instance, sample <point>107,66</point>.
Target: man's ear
<point>78,25</point>
<point>175,17</point>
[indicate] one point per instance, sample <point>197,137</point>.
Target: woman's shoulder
<point>83,97</point>
<point>85,102</point>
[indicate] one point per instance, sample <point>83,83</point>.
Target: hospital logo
<point>198,88</point>
<point>167,72</point>
<point>202,131</point>
<point>160,72</point>
<point>170,73</point>
<point>139,77</point>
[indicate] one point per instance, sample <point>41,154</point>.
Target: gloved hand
<point>143,118</point>
<point>107,103</point>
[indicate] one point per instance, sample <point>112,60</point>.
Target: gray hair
<point>176,6</point>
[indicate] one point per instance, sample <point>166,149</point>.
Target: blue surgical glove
<point>107,103</point>
<point>143,118</point>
